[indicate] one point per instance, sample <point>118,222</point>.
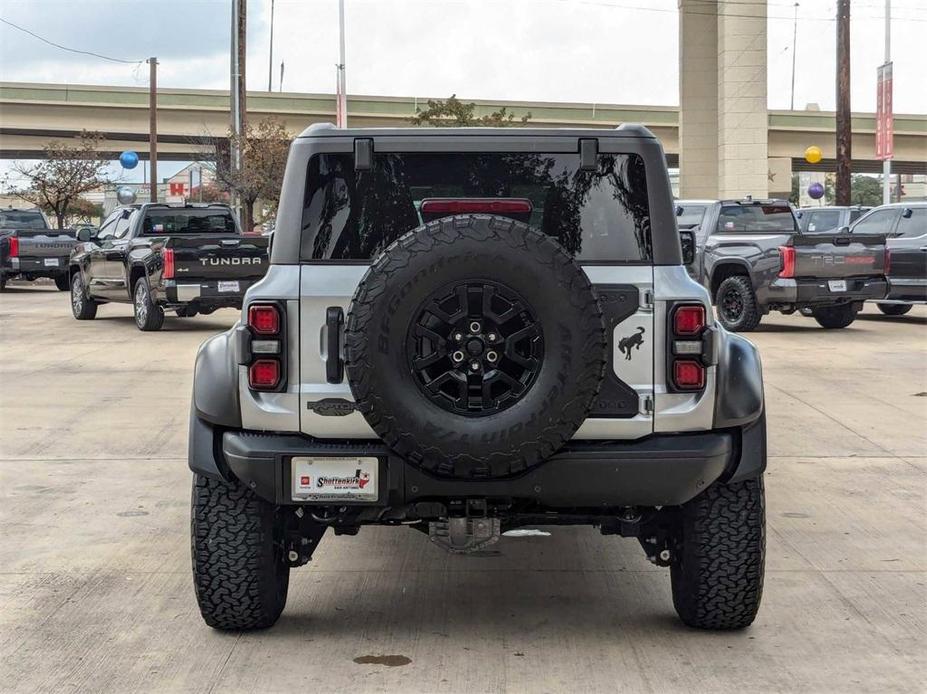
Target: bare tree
<point>264,147</point>
<point>454,113</point>
<point>67,171</point>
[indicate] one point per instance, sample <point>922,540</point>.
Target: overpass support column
<point>723,121</point>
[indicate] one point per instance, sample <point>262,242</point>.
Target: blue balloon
<point>816,191</point>
<point>128,159</point>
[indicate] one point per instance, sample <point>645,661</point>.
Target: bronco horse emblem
<point>626,344</point>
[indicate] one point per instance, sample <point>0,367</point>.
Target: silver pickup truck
<point>753,258</point>
<point>30,249</point>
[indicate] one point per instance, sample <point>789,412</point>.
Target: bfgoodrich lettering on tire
<point>474,346</point>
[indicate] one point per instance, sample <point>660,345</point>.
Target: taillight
<point>268,368</point>
<point>786,262</point>
<point>264,319</point>
<point>14,247</point>
<point>688,374</point>
<point>688,320</point>
<point>264,374</point>
<point>167,255</point>
<point>690,347</point>
<point>448,206</point>
<point>887,263</point>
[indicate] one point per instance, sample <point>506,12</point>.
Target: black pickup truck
<point>30,249</point>
<point>188,259</point>
<point>753,258</point>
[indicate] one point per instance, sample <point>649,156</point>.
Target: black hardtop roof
<point>625,130</point>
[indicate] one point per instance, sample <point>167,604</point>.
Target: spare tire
<point>474,346</point>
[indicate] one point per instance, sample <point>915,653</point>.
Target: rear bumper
<point>914,290</point>
<point>816,292</point>
<point>35,267</point>
<point>661,470</point>
<point>204,294</point>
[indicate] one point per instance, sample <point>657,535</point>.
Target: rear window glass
<point>823,220</point>
<point>15,219</point>
<point>601,214</point>
<point>689,216</point>
<point>913,225</point>
<point>759,218</point>
<point>205,221</point>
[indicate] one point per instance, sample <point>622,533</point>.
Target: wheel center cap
<point>474,347</point>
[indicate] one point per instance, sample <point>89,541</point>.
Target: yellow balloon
<point>813,154</point>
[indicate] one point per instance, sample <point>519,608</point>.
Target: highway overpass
<point>33,114</point>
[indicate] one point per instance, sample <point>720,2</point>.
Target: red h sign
<point>885,120</point>
<point>177,188</point>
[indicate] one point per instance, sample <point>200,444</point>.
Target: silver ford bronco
<point>466,332</point>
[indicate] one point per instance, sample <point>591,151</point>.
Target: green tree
<point>865,190</point>
<point>454,113</point>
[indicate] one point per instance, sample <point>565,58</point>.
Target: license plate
<point>335,479</point>
<point>51,262</point>
<point>837,285</point>
<point>228,286</point>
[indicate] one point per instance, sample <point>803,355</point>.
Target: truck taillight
<point>887,263</point>
<point>167,255</point>
<point>14,247</point>
<point>687,363</point>
<point>786,262</point>
<point>267,370</point>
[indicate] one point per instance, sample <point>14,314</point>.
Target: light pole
<point>794,46</point>
<point>270,61</point>
<point>342,105</point>
<point>887,162</point>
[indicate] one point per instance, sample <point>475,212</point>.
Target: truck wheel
<point>148,315</point>
<point>2,283</point>
<point>717,570</point>
<point>833,317</point>
<point>240,572</point>
<point>736,304</point>
<point>894,309</point>
<point>62,282</point>
<point>82,306</point>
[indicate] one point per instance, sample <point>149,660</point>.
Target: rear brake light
<point>264,374</point>
<point>14,247</point>
<point>474,205</point>
<point>264,319</point>
<point>786,261</point>
<point>168,256</point>
<point>688,374</point>
<point>887,263</point>
<point>688,320</point>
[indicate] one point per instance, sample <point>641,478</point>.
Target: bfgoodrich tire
<point>736,305</point>
<point>717,569</point>
<point>835,317</point>
<point>474,346</point>
<point>239,569</point>
<point>894,309</point>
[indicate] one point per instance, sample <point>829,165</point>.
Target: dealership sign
<point>885,121</point>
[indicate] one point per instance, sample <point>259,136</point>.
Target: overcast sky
<point>604,51</point>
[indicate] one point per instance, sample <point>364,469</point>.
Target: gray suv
<point>466,332</point>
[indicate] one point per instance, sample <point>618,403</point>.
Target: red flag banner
<point>885,119</point>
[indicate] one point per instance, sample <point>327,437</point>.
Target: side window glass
<point>123,225</point>
<point>915,225</point>
<point>879,222</point>
<point>108,226</point>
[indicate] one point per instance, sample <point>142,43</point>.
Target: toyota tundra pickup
<point>753,258</point>
<point>30,249</point>
<point>468,331</point>
<point>187,259</point>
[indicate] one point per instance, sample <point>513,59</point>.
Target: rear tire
<point>239,569</point>
<point>717,571</point>
<point>835,317</point>
<point>62,282</point>
<point>2,283</point>
<point>736,305</point>
<point>894,309</point>
<point>82,306</point>
<point>148,315</point>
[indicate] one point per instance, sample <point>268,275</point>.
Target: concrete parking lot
<point>96,593</point>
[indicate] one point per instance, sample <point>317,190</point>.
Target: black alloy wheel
<point>475,347</point>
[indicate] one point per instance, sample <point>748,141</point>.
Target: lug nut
<point>665,555</point>
<point>492,337</point>
<point>474,366</point>
<point>474,327</point>
<point>458,336</point>
<point>457,356</point>
<point>492,356</point>
<point>293,555</point>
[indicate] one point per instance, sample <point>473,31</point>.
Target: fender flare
<point>710,272</point>
<point>739,399</point>
<point>215,382</point>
